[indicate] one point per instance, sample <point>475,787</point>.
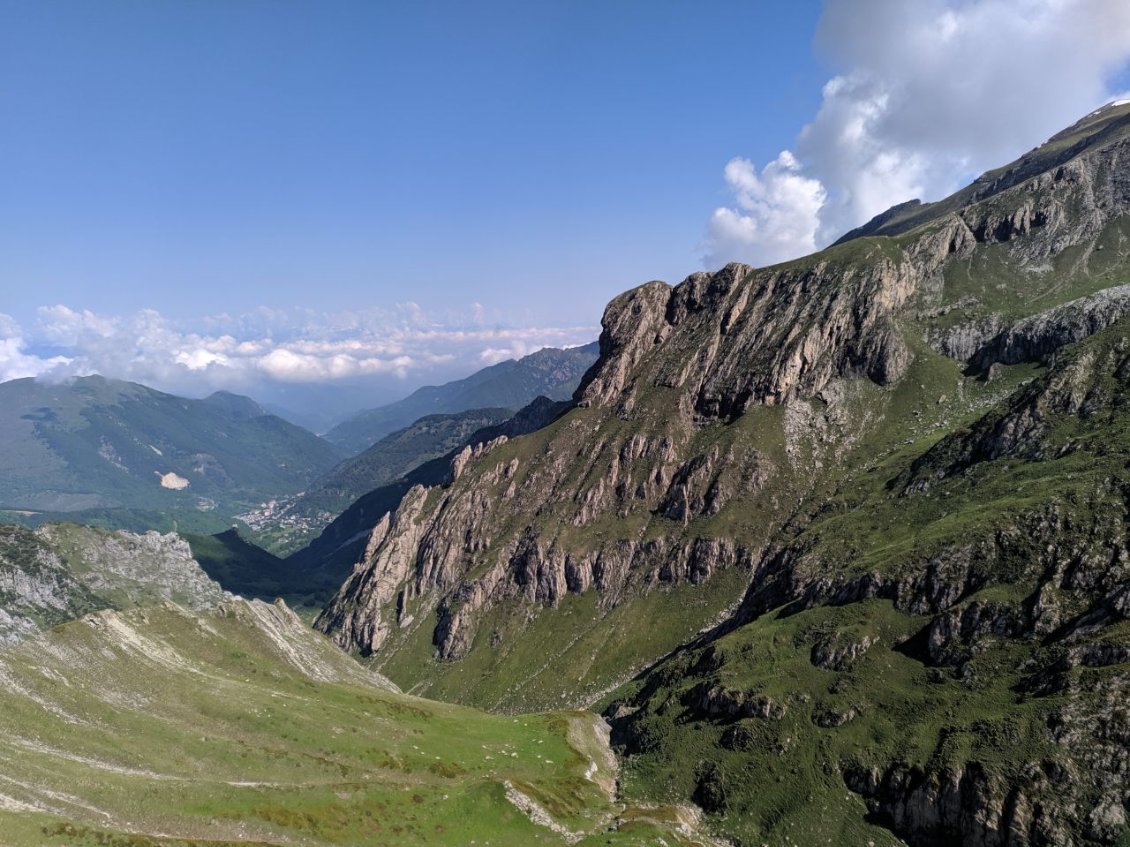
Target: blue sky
<point>210,193</point>
<point>208,156</point>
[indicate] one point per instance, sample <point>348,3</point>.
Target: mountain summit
<point>869,504</point>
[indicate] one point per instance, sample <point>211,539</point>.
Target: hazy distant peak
<point>235,405</point>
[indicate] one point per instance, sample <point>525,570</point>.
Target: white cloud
<point>776,210</point>
<point>9,326</point>
<point>516,349</point>
<point>15,361</point>
<point>62,325</point>
<point>928,95</point>
<point>289,365</point>
<point>247,351</point>
<point>200,359</point>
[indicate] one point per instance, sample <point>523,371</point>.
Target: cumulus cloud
<point>15,361</point>
<point>776,210</point>
<point>9,326</point>
<point>241,352</point>
<point>928,95</point>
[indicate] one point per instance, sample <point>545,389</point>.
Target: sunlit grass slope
<point>161,727</point>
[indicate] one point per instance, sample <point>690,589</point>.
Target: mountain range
<point>512,384</point>
<point>123,455</point>
<point>291,522</point>
<point>838,548</point>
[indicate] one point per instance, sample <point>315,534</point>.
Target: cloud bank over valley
<point>272,354</point>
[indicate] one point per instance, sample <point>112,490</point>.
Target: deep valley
<point>835,551</point>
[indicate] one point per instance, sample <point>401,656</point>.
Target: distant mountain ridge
<point>343,541</point>
<point>400,452</point>
<point>97,443</point>
<point>550,372</point>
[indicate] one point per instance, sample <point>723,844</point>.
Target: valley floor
<point>163,727</point>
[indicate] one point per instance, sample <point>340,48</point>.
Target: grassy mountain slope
<point>261,732</point>
<point>511,384</point>
<point>98,445</point>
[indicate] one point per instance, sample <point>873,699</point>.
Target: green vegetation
<point>595,648</point>
<point>259,731</point>
<point>781,777</point>
<point>122,454</point>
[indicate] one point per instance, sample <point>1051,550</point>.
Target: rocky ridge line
<point>714,347</point>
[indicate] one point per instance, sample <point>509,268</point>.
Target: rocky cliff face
<point>664,441</point>
<point>913,582</point>
<point>992,340</point>
<point>59,572</point>
<point>965,612</point>
<point>673,464</point>
<point>727,341</point>
<point>341,544</point>
<point>674,440</point>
